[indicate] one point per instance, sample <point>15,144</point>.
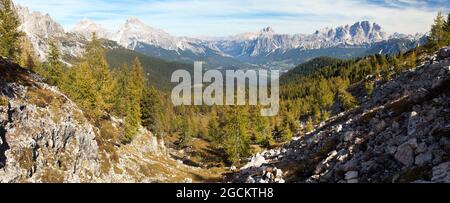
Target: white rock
<point>187,180</point>
<point>257,161</point>
<point>351,175</point>
<point>278,173</point>
<point>250,180</point>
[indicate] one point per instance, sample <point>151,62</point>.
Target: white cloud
<point>220,18</point>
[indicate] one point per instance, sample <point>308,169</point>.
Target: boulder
<point>424,158</point>
<point>441,173</point>
<point>405,155</point>
<point>444,53</point>
<point>421,148</point>
<point>348,136</point>
<point>257,161</point>
<point>351,175</point>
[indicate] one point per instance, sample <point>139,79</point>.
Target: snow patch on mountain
<point>87,27</point>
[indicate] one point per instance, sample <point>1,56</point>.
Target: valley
<point>91,105</point>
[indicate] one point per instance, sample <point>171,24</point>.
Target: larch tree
<point>135,90</point>
<point>437,33</point>
<point>53,66</point>
<point>237,137</point>
<point>10,35</point>
<point>95,58</point>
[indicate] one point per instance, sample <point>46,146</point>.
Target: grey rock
<point>413,121</point>
<point>352,181</point>
<point>444,53</point>
<point>412,143</point>
<point>405,155</point>
<point>441,173</point>
<point>391,150</point>
<point>350,165</point>
<point>351,175</point>
<point>421,148</point>
<point>349,136</point>
<point>423,158</point>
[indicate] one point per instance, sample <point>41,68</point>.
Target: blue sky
<point>228,17</point>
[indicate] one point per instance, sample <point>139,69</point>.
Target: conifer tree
<point>447,24</point>
<point>325,94</point>
<point>79,87</point>
<point>261,126</point>
<point>437,34</point>
<point>53,66</point>
<point>412,60</point>
<point>96,60</point>
<point>10,35</point>
<point>135,92</point>
<point>286,133</point>
<point>154,113</point>
<point>90,83</point>
<point>309,125</point>
<point>237,139</point>
<point>214,130</point>
<point>369,87</point>
<point>122,77</point>
<point>187,132</point>
<point>28,56</point>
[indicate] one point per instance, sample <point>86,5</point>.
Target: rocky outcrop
<point>400,134</point>
<point>45,137</point>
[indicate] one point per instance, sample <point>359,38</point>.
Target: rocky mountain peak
<point>86,27</point>
<point>268,30</point>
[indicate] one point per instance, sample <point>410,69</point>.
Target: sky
<point>218,18</point>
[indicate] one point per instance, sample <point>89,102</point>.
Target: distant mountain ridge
<point>246,50</point>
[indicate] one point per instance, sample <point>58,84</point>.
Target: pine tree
<point>214,130</point>
<point>10,35</point>
<point>104,87</point>
<point>237,139</point>
<point>138,79</point>
<point>447,30</point>
<point>79,87</point>
<point>369,87</point>
<point>262,131</point>
<point>286,133</point>
<point>309,125</point>
<point>135,92</point>
<point>54,67</point>
<point>412,60</point>
<point>325,94</point>
<point>28,56</point>
<point>154,114</point>
<point>187,132</point>
<point>347,100</point>
<point>90,82</point>
<point>437,33</point>
<point>122,77</point>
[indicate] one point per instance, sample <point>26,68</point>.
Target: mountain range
<point>263,48</point>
